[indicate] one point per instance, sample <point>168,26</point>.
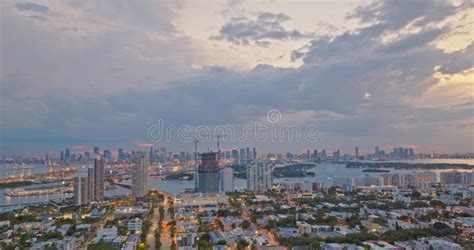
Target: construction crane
<point>218,140</point>
<point>196,141</point>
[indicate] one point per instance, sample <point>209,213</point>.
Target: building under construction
<point>208,173</point>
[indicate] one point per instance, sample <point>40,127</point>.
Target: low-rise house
<point>130,212</point>
<point>68,243</point>
<point>303,227</point>
<point>288,232</point>
<point>340,246</point>
<point>64,229</point>
<point>216,236</point>
<point>399,224</point>
<point>187,239</point>
<point>132,242</point>
<point>466,224</point>
<point>86,227</point>
<point>318,229</point>
<point>117,242</point>
<point>380,245</point>
<point>135,224</point>
<point>5,223</point>
<point>428,244</point>
<point>106,234</point>
<point>28,226</point>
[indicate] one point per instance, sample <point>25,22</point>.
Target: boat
<point>374,170</point>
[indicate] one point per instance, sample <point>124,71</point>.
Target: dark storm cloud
<point>395,14</point>
<point>29,6</point>
<point>266,26</point>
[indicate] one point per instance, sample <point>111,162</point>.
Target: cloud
<point>33,7</point>
<point>266,27</point>
<point>107,83</point>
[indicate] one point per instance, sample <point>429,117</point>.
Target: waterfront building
<point>99,181</point>
<point>366,181</point>
<point>456,178</point>
<point>81,193</point>
<point>345,183</point>
<point>259,177</point>
<point>227,180</point>
<point>235,154</point>
<point>140,175</point>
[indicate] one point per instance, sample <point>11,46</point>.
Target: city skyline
<point>120,152</point>
<point>363,73</point>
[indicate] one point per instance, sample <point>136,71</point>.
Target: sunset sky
<point>365,73</point>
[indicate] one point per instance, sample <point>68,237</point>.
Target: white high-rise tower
<point>259,177</point>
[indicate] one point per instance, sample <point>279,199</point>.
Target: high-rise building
<point>247,154</point>
<point>99,185</point>
<point>323,154</point>
<point>121,154</point>
<point>90,184</point>
<point>208,173</point>
<point>345,183</point>
<point>254,154</point>
<point>456,177</point>
<point>336,155</point>
<point>107,155</point>
<point>401,152</point>
<point>235,154</point>
<point>67,155</point>
<point>96,150</point>
<point>227,180</point>
<point>315,154</point>
<point>242,155</point>
<point>81,188</point>
<point>391,179</point>
<point>152,154</point>
<point>376,152</point>
<point>162,153</point>
<point>62,156</point>
<point>140,174</point>
<point>365,181</point>
<point>259,177</point>
<point>357,153</point>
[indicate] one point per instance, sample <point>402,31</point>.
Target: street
<point>150,237</point>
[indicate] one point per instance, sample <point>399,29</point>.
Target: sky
<point>363,73</point>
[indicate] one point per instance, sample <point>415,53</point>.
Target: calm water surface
<point>324,173</point>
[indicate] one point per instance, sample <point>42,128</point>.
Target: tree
<point>437,204</point>
<point>245,224</point>
<point>440,226</point>
<point>242,244</point>
<point>100,246</point>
